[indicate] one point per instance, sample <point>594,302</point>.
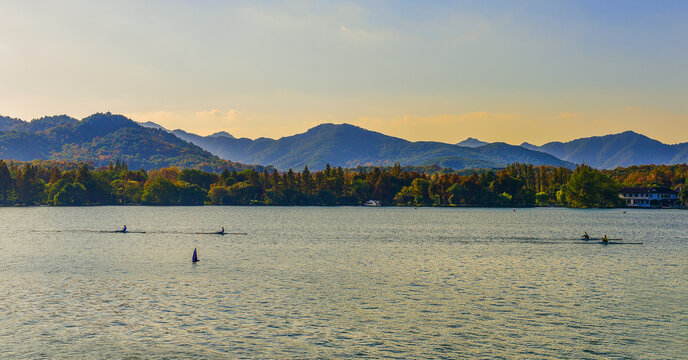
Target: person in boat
<point>223,230</point>
<point>124,228</point>
<point>605,239</point>
<point>586,236</point>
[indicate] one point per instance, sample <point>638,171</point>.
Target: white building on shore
<point>650,197</point>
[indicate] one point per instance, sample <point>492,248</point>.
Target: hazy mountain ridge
<point>152,125</point>
<point>616,150</point>
<point>100,138</point>
<point>350,146</point>
<point>6,122</point>
<point>471,142</point>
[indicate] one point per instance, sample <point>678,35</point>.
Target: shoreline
<point>340,206</point>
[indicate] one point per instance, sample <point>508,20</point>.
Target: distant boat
<point>372,203</point>
<point>612,243</point>
<point>195,257</point>
<point>221,232</point>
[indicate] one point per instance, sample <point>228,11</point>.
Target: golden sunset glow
<point>510,72</point>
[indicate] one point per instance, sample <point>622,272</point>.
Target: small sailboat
<point>194,259</point>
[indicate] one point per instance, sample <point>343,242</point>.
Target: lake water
<point>342,282</point>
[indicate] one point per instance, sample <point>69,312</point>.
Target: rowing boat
<point>610,243</point>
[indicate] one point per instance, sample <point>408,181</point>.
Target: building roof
<point>644,190</point>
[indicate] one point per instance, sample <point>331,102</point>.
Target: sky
<point>511,71</point>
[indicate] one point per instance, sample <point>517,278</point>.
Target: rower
<point>586,236</point>
<point>223,230</point>
<point>604,239</point>
<point>124,229</point>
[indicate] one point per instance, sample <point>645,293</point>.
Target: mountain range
<point>103,137</point>
<point>616,150</point>
<point>350,146</point>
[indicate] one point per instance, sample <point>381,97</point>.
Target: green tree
<point>29,187</point>
<point>97,185</point>
<point>589,187</point>
<point>306,184</point>
<point>6,183</point>
<point>405,197</point>
<point>416,194</point>
<point>242,193</point>
<point>200,178</point>
<point>72,193</point>
<point>218,195</point>
<point>127,191</point>
<point>326,197</point>
<point>160,191</point>
<point>505,199</point>
<point>683,194</point>
<point>360,190</point>
<point>542,199</point>
<point>421,192</point>
<point>190,194</point>
<point>458,194</point>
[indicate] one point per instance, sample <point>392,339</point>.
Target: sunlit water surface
<point>342,282</point>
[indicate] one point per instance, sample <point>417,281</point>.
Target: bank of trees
<point>516,185</point>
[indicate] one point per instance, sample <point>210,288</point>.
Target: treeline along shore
<point>518,185</point>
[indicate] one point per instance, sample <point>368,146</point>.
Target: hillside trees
<point>63,183</point>
<point>6,183</point>
<point>683,194</point>
<point>29,187</point>
<point>589,187</point>
<point>70,193</point>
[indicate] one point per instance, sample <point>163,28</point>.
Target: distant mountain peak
<point>7,122</point>
<point>471,142</point>
<point>152,125</point>
<point>341,131</point>
<point>108,118</point>
<point>99,138</point>
<point>528,146</point>
<point>348,145</point>
<point>615,150</point>
<point>223,134</point>
<point>334,127</point>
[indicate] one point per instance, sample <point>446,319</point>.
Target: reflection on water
<point>342,282</point>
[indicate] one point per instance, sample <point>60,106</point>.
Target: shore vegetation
<point>517,185</point>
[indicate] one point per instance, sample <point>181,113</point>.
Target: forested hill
<point>351,146</point>
<point>101,138</point>
<point>616,150</point>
